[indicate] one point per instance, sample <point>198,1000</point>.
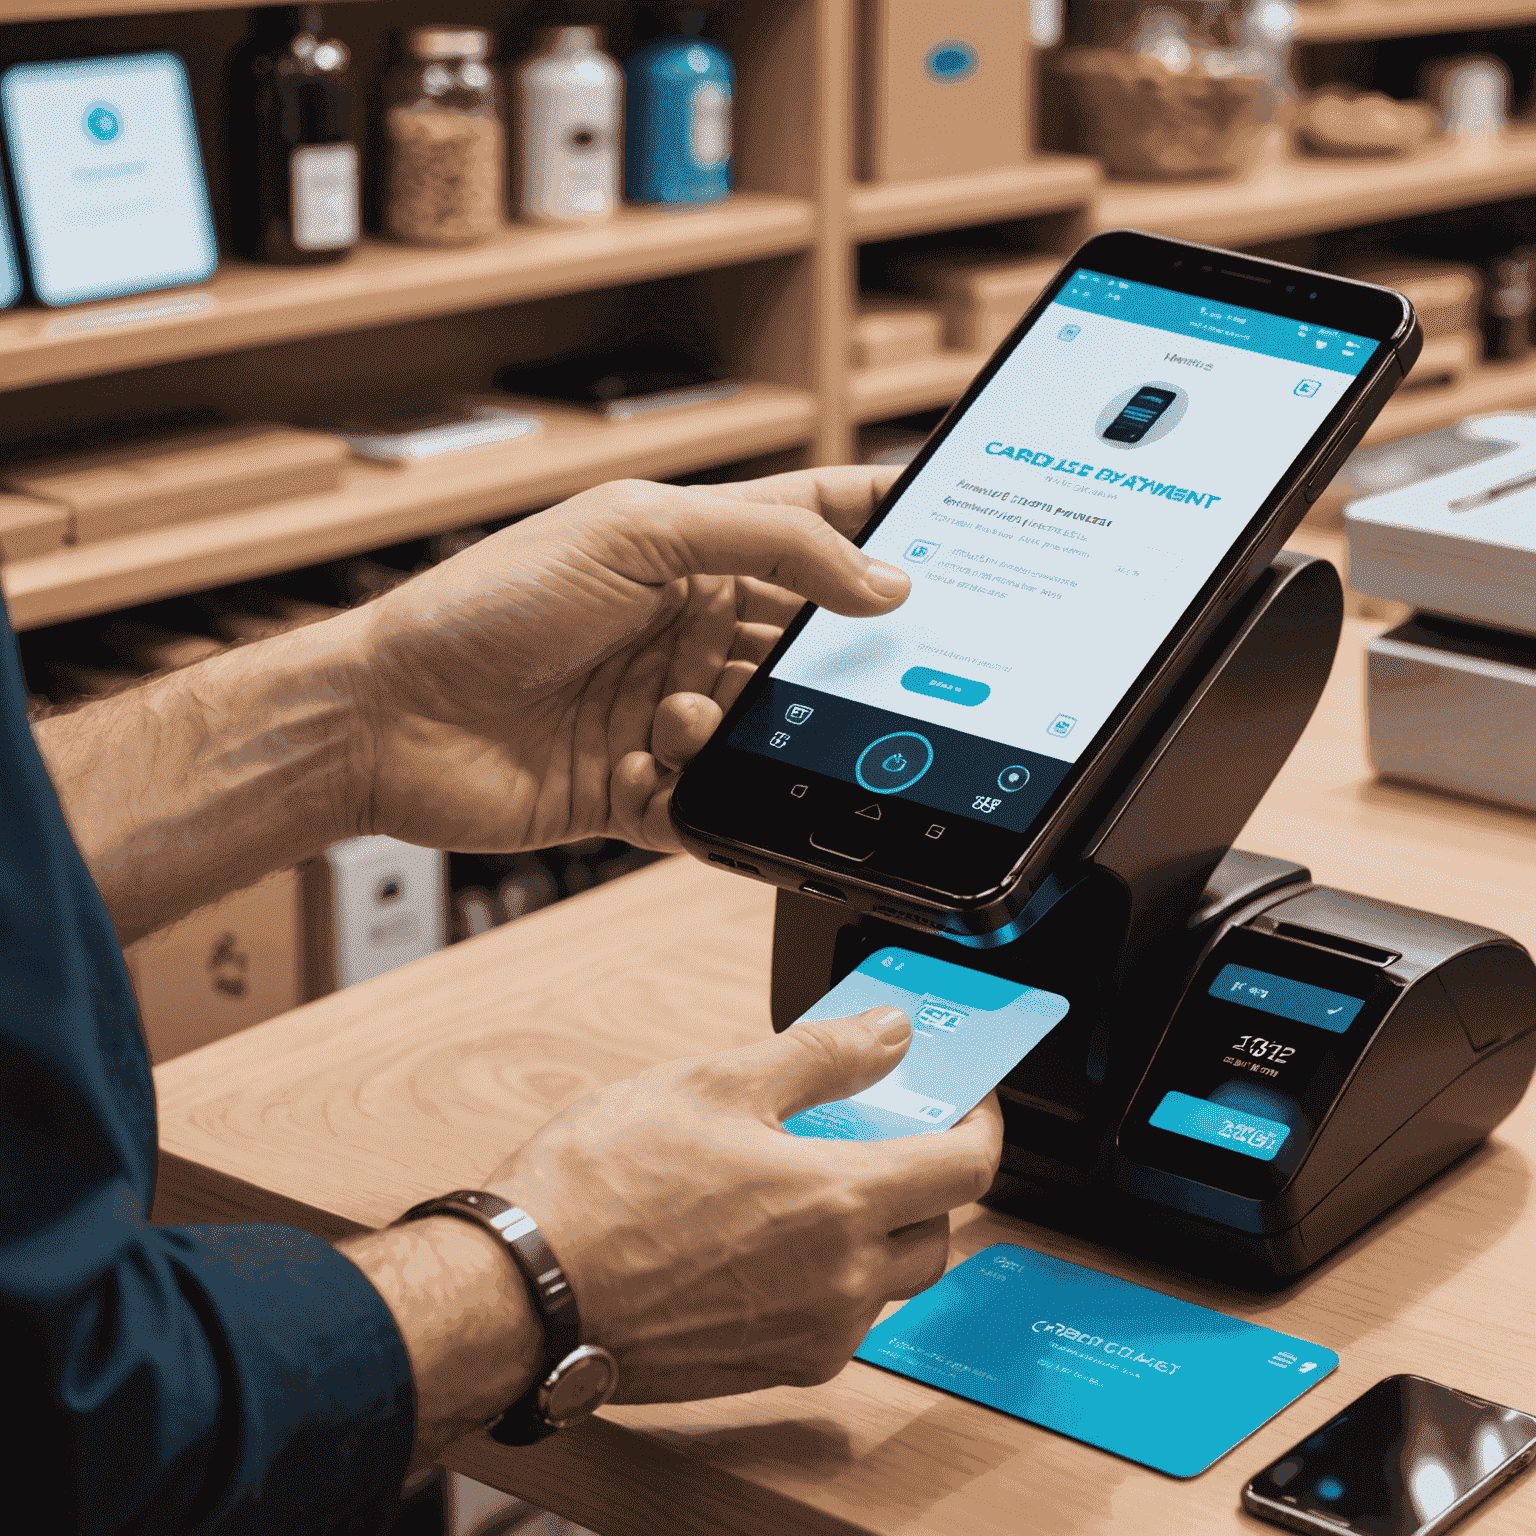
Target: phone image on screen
<point>927,765</point>
<point>969,1031</point>
<point>1133,423</point>
<point>1407,1458</point>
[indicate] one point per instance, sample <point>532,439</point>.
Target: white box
<point>372,903</point>
<point>1453,707</point>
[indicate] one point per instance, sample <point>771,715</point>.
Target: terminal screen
<point>1259,1049</point>
<point>1054,540</point>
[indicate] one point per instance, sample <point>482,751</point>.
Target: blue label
<point>1287,999</point>
<point>1159,1381</point>
<point>951,61</point>
<point>945,685</point>
<point>1252,1135</point>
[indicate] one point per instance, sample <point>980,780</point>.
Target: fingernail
<point>890,1024</point>
<point>885,579</point>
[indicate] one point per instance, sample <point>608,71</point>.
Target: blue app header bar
<point>1288,999</point>
<point>1253,330</point>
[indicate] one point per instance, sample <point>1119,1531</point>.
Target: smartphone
<point>1140,414</point>
<point>931,764</point>
<point>1408,1458</point>
<point>969,1031</point>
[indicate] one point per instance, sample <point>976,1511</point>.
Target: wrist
<point>469,1327</point>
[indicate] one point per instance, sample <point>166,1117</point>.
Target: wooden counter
<point>341,1114</point>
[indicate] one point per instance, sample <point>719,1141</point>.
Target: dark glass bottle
<point>294,182</point>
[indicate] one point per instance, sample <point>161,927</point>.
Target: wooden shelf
<point>69,10</point>
<point>245,305</point>
<point>378,505</point>
<point>875,393</point>
<point>887,209</point>
<point>1358,20</point>
<point>1491,387</point>
<point>1302,196</point>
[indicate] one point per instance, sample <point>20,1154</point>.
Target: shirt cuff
<point>318,1417</point>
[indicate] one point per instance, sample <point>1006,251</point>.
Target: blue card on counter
<point>108,176</point>
<point>969,1031</point>
<point>1159,1381</point>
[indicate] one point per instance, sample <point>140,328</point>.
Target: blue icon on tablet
<point>103,122</point>
<point>951,60</point>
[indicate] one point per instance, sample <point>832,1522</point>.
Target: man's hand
<point>546,684</point>
<point>714,1253</point>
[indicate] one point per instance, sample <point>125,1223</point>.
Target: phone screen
<point>1397,1458</point>
<point>969,1031</point>
<point>1054,538</point>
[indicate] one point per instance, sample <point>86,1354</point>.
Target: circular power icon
<point>1015,776</point>
<point>895,762</point>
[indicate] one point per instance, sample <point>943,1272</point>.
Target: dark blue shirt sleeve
<point>220,1380</point>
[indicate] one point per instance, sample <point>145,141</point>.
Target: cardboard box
<point>891,329</point>
<point>944,89</point>
<point>31,527</point>
<point>220,970</point>
<point>982,296</point>
<point>133,486</point>
<point>1446,359</point>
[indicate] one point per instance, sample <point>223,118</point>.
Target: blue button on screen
<point>894,762</point>
<point>1287,999</point>
<point>1199,1119</point>
<point>944,685</point>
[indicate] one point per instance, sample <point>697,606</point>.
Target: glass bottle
<point>445,143</point>
<point>293,163</point>
<point>677,131</point>
<point>569,125</point>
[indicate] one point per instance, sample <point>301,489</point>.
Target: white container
<point>567,125</point>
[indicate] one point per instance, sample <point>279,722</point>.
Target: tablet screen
<point>108,174</point>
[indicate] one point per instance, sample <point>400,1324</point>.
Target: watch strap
<point>524,1422</point>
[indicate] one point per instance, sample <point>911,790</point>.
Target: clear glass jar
<point>1179,89</point>
<point>445,142</point>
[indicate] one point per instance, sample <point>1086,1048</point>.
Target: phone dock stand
<point>1253,1067</point>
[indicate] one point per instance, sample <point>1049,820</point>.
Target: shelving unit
<point>772,274</point>
<point>379,505</point>
<point>1348,21</point>
<point>1302,196</point>
<point>246,305</point>
<point>882,211</point>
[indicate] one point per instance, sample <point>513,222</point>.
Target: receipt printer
<point>1252,1067</point>
<point>1329,1054</point>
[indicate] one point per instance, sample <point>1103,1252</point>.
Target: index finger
<point>844,494</point>
<point>916,1177</point>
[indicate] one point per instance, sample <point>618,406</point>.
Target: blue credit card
<point>969,1031</point>
<point>1151,1378</point>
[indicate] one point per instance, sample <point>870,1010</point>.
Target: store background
<point>904,176</point>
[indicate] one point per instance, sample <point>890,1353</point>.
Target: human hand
<point>548,683</point>
<point>714,1253</point>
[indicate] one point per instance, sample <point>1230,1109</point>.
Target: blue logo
<point>951,61</point>
<point>103,123</point>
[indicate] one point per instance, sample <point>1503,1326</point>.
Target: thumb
<point>820,1060</point>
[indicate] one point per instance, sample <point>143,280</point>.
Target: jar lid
<point>448,42</point>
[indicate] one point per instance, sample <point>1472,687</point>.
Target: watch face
<point>579,1385</point>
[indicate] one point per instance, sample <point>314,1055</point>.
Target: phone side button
<point>851,844</point>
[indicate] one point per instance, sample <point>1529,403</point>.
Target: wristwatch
<point>576,1379</point>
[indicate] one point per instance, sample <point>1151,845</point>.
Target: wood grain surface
<point>344,1112</point>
